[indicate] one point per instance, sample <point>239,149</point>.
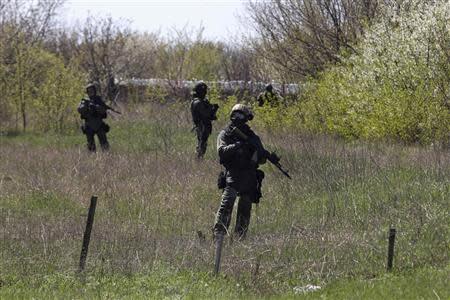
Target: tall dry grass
<point>329,222</point>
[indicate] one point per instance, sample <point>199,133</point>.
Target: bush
<point>41,92</point>
<point>397,85</point>
<point>57,96</point>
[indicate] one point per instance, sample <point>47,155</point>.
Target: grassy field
<point>327,227</point>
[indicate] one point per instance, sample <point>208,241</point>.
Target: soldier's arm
<point>203,110</point>
<point>101,107</point>
<point>226,151</point>
<point>263,154</point>
<point>196,111</point>
<point>83,109</point>
<point>260,100</point>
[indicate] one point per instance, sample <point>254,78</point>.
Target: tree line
<point>44,64</point>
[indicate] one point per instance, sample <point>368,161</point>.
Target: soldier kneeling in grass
<point>269,97</point>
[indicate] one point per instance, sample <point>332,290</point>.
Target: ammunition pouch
<point>105,127</point>
<point>222,180</point>
<point>215,107</point>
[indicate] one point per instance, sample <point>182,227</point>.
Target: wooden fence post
<point>390,258</point>
<point>87,233</point>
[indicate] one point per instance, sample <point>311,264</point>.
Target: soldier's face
<point>238,118</point>
<point>202,92</point>
<point>91,92</point>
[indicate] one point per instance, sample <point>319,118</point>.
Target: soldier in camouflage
<point>203,113</point>
<point>241,159</point>
<point>268,97</point>
<point>93,110</point>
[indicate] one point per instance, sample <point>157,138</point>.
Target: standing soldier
<point>240,152</point>
<point>203,113</point>
<point>93,110</point>
<point>269,97</point>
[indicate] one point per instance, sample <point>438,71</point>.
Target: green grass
<point>147,136</point>
<point>427,283</point>
<point>163,282</point>
<point>328,226</point>
<point>41,205</point>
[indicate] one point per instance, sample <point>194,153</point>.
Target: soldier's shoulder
<point>224,131</point>
<point>195,101</point>
<point>247,130</point>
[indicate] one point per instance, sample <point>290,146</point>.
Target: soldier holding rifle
<point>93,110</point>
<point>203,113</point>
<point>241,152</point>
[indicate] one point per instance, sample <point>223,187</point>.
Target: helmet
<point>243,109</point>
<point>91,86</point>
<point>200,88</point>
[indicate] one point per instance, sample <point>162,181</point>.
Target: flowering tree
<point>396,85</point>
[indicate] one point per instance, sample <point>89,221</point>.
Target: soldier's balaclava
<point>269,88</point>
<point>240,114</point>
<point>200,90</point>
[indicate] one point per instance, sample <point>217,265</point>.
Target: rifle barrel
<point>283,171</point>
<point>113,110</point>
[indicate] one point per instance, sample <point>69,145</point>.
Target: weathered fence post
<point>390,258</point>
<point>87,233</point>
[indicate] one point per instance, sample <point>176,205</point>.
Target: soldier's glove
<point>273,158</point>
<point>238,145</point>
<point>91,108</point>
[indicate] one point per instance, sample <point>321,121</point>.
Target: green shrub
<point>397,85</point>
<point>41,92</point>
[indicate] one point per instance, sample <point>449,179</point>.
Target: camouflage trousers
<point>223,216</point>
<point>103,140</point>
<point>202,131</point>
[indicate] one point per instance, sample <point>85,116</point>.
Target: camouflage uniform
<point>268,97</point>
<point>243,178</point>
<point>203,113</point>
<point>93,110</point>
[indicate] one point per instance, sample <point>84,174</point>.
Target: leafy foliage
<point>396,86</point>
<point>58,93</point>
<point>41,90</point>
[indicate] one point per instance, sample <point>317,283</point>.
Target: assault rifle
<point>272,157</point>
<point>112,109</point>
<point>115,103</point>
<point>106,106</point>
